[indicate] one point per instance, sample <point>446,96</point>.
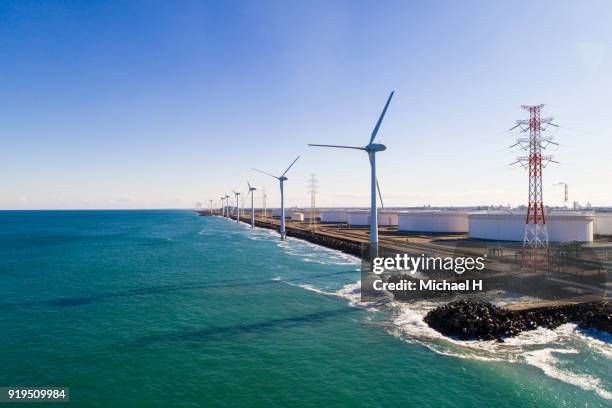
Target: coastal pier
<point>571,288</point>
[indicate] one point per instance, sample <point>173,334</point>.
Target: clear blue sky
<point>160,104</point>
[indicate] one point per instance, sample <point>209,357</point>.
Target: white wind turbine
<point>264,195</point>
<point>237,206</point>
<point>371,148</point>
<point>251,189</point>
<point>222,206</point>
<point>227,214</point>
<point>282,180</point>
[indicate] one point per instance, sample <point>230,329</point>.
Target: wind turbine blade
<point>379,195</point>
<point>249,184</point>
<point>291,165</point>
<point>382,115</point>
<point>340,147</point>
<point>267,174</point>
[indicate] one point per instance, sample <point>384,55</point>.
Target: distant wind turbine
<point>282,180</point>
<point>264,195</point>
<point>222,206</point>
<point>251,189</point>
<point>237,206</point>
<point>227,214</point>
<point>371,148</point>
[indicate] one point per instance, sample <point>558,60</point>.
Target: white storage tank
<point>388,218</point>
<point>603,223</point>
<point>276,212</point>
<point>510,226</point>
<point>297,216</point>
<point>358,218</point>
<point>438,221</point>
<point>333,216</point>
<point>308,214</point>
<point>362,218</point>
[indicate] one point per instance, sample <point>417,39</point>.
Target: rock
<point>469,319</point>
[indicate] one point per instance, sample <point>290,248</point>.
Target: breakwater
<point>469,320</point>
<point>332,241</point>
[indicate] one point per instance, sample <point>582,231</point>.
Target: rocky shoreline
<point>477,320</point>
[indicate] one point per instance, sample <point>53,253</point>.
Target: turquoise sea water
<point>167,309</point>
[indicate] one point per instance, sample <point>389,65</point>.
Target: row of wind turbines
<point>371,149</point>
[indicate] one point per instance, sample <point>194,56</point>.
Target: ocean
<point>168,309</point>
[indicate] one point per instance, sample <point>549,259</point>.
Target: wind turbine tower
<point>281,180</point>
<point>371,149</point>
<point>227,205</point>
<point>237,206</point>
<point>264,197</point>
<point>251,192</point>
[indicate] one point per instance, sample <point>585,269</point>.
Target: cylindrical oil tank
<point>603,223</point>
<point>438,221</point>
<point>334,216</point>
<point>297,216</point>
<point>276,212</point>
<point>358,218</point>
<point>388,218</point>
<point>510,226</point>
<point>362,217</point>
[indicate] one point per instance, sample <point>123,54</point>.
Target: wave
<point>549,364</point>
<point>350,292</point>
<point>549,351</point>
<point>535,347</point>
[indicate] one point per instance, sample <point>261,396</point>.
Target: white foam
<point>350,292</point>
<point>547,362</point>
<point>531,347</point>
<point>310,288</point>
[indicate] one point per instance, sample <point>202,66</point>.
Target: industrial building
<point>510,226</point>
<point>437,221</point>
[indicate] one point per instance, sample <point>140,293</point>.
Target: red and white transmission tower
<point>536,234</point>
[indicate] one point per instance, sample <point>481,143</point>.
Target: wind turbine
<point>251,189</point>
<point>227,205</point>
<point>211,208</point>
<point>222,207</point>
<point>263,197</point>
<point>237,206</point>
<point>371,149</point>
<point>282,180</point>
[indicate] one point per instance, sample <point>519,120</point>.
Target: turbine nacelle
<point>283,178</point>
<point>375,147</point>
